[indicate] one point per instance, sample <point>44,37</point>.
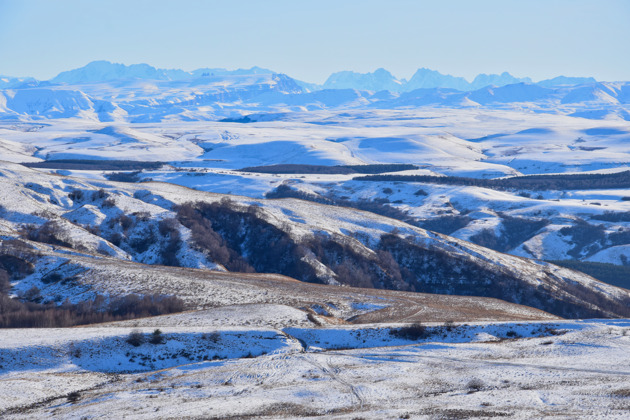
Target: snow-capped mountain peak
<point>378,80</point>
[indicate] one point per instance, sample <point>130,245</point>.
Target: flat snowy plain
<point>560,369</point>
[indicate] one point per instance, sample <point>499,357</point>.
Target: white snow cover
<point>519,370</point>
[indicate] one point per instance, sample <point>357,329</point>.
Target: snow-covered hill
<point>232,96</point>
<point>308,241</point>
<point>456,142</point>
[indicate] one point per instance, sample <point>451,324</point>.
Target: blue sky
<point>311,39</point>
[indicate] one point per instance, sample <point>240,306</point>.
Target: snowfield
<point>480,143</point>
<point>345,343</point>
<point>556,369</point>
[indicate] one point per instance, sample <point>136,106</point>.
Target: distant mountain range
<point>424,78</point>
<point>103,71</point>
<point>379,80</point>
<point>141,93</point>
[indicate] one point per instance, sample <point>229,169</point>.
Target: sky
<point>309,40</point>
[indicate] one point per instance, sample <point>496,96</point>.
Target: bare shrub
<point>116,238</point>
<point>50,232</point>
<point>475,385</point>
<point>52,278</point>
<point>167,226</point>
<point>213,337</point>
<point>33,294</point>
<point>99,195</point>
<point>135,338</point>
<point>170,229</point>
<point>126,222</point>
<point>94,230</point>
<point>74,397</point>
<point>75,195</point>
<point>157,337</point>
<point>412,332</point>
<point>312,318</point>
<point>124,176</point>
<point>18,266</point>
<point>142,216</point>
<point>5,285</point>
<point>623,393</point>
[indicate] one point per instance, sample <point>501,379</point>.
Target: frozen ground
<point>576,369</point>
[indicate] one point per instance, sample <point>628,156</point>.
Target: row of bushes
<point>323,169</point>
<point>378,206</point>
<point>95,165</point>
<point>17,260</point>
<point>530,182</point>
<point>514,231</point>
<point>19,314</point>
<point>617,275</point>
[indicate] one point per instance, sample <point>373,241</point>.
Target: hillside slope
<point>156,223</point>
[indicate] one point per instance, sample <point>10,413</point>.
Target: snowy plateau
<point>241,244</point>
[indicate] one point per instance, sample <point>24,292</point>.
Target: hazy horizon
<point>308,81</point>
<point>536,39</point>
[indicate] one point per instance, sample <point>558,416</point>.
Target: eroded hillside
<point>78,226</point>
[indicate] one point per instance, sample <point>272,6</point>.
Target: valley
<point>325,250</point>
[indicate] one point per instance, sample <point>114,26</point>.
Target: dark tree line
<point>124,176</point>
<point>241,238</point>
<point>95,165</point>
<point>530,182</point>
<point>435,270</point>
<point>31,314</point>
<point>323,169</point>
<point>17,261</point>
<point>513,232</point>
<point>446,224</point>
<point>586,238</point>
<point>617,275</point>
<point>610,216</point>
<point>378,206</point>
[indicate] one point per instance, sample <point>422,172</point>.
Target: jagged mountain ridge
<point>380,79</point>
<point>104,91</point>
<point>102,71</point>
